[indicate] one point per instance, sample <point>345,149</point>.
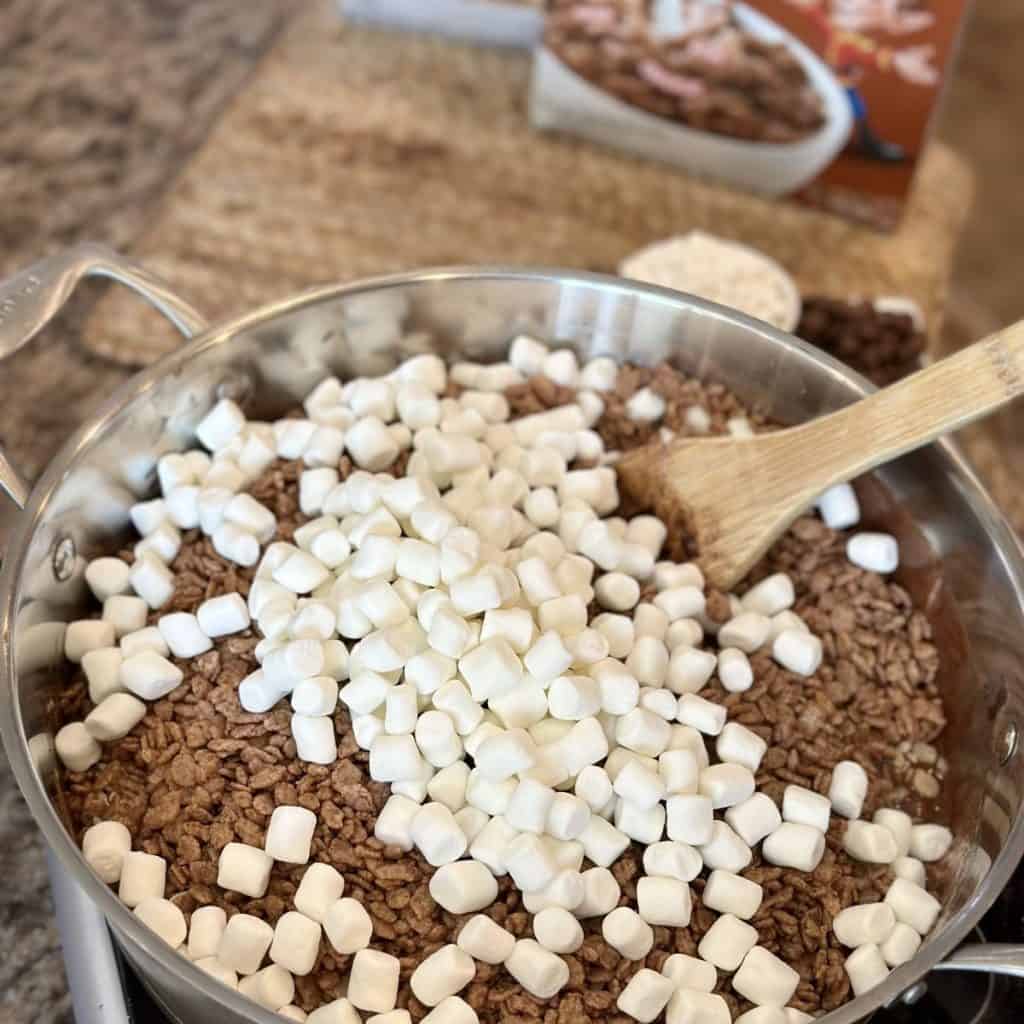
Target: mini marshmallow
<point>798,651</point>
<point>230,541</point>
<point>463,887</point>
<point>725,849</point>
<point>290,835</point>
<point>627,933</point>
<point>585,744</point>
<point>143,876</point>
<point>205,931</point>
<point>394,759</point>
<point>348,926</point>
<point>692,1007</point>
<point>726,784</point>
<point>125,613</point>
<point>557,930</point>
<point>541,972</point>
<point>315,696</point>
<point>863,924</point>
<point>729,893</point>
<point>220,425</point>
<point>649,661</point>
<point>643,732</point>
<point>87,635</point>
<point>150,676</point>
<point>394,823</point>
<point>107,576</point>
<point>872,843</point>
<point>794,846</point>
<point>245,869</point>
<point>754,818</point>
<point>105,846</point>
<point>565,891</point>
<point>222,616</point>
<point>370,444</point>
<point>927,842</point>
<point>640,786</point>
<point>664,901</point>
<point>876,552</point>
<point>772,595</point>
<point>899,823</point>
<point>488,795</point>
<point>485,940</point>
<point>805,807</point>
<point>452,1010</point>
<point>529,805</point>
<point>865,968</point>
<point>603,842</point>
<point>336,1012</point>
<point>164,919</point>
<point>561,367</point>
<point>901,945</point>
<point>645,996</point>
<point>594,787</point>
<point>747,632</point>
<point>296,942</point>
<point>437,739</point>
<point>911,869</point>
<point>734,671</point>
<point>764,979</point>
<point>913,905</point>
<point>492,668</point>
<point>257,694</point>
<point>314,739</point>
<point>679,771</point>
<point>436,835</point>
<point>76,747</point>
<point>491,843</point>
<point>146,516</point>
<point>183,635</point>
<point>672,860</point>
<point>509,753</point>
<point>617,592</point>
<point>529,862</point>
<point>115,717</point>
<point>567,817</point>
<point>689,669</point>
<point>472,821</point>
<point>300,573</point>
<point>645,825</point>
<point>212,966</point>
<point>400,709</point>
<point>448,786</point>
<point>739,745</point>
<point>373,980</point>
<point>600,893</point>
<point>688,972</point>
<point>727,942</point>
<point>838,507</point>
<point>848,789</point>
<point>102,668</point>
<point>321,887</point>
<point>700,714</point>
<point>442,974</point>
<point>690,819</point>
<point>148,639</point>
<point>680,601</point>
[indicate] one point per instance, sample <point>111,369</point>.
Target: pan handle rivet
<point>64,559</point>
<point>1008,742</point>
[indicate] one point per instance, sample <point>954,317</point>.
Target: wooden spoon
<point>738,495</point>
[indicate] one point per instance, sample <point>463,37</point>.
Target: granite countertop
<point>97,125</point>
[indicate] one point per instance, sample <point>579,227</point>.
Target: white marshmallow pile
<point>448,612</point>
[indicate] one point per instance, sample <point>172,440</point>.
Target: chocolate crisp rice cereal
<point>196,780</point>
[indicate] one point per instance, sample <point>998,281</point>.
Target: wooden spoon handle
<point>939,399</point>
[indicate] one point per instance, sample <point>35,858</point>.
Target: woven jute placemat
<point>356,151</point>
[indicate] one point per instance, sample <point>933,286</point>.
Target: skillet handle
<point>31,298</point>
<point>989,957</point>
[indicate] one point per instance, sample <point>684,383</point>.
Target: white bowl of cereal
<point>227,803</point>
<point>572,91</point>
